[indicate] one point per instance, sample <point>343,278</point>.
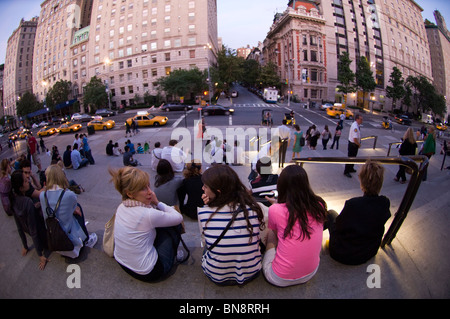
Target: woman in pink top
<point>295,230</point>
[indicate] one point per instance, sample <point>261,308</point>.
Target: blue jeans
<point>166,244</point>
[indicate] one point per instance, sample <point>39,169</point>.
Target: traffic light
<point>205,93</point>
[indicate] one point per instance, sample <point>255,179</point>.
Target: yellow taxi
<point>100,124</point>
<point>13,136</point>
<point>441,127</point>
<point>47,131</point>
<point>69,128</point>
<point>23,134</point>
<point>147,119</point>
<point>336,111</point>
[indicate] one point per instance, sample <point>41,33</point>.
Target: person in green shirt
<point>429,147</point>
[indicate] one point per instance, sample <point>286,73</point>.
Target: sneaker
<point>92,240</point>
<point>181,255</point>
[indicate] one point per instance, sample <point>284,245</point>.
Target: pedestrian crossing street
<point>255,105</point>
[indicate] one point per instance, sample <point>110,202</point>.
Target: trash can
<point>91,130</point>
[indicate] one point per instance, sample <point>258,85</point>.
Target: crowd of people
<point>273,226</point>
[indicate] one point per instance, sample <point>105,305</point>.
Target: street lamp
<point>208,46</point>
<point>107,62</point>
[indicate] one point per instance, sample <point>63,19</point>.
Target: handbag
<point>56,236</point>
<point>108,237</point>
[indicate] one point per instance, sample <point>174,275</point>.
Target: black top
<point>29,220</point>
<point>192,187</point>
<point>407,148</point>
<point>359,229</point>
<point>67,159</point>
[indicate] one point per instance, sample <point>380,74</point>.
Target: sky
<point>240,22</point>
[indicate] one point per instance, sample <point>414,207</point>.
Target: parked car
<point>46,131</point>
<point>104,113</point>
<point>57,119</point>
<point>403,119</point>
<point>217,110</point>
<point>101,124</point>
<point>176,107</point>
<point>81,117</point>
<point>43,123</point>
<point>146,119</point>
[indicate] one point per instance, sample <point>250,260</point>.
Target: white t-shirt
<point>355,133</point>
<point>135,233</point>
<point>175,156</point>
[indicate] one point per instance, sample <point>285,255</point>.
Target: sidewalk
<point>414,266</point>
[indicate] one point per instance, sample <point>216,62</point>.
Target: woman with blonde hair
<point>408,148</point>
<point>5,186</point>
<point>356,233</point>
<point>147,232</point>
<point>69,213</point>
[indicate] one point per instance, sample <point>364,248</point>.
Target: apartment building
<point>58,22</point>
<point>307,39</point>
<point>18,67</point>
<point>133,43</point>
<point>439,39</point>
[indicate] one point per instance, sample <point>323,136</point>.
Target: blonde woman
<point>69,214</point>
<point>356,233</point>
<point>146,231</point>
<point>408,148</point>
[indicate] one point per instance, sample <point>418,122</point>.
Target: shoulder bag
<point>108,237</point>
<point>56,236</point>
<point>235,213</point>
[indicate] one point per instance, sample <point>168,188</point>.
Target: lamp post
<point>209,47</point>
<point>107,62</point>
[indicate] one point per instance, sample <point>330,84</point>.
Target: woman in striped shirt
<point>236,257</point>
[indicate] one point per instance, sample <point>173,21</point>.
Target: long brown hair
<point>229,190</point>
<point>295,191</point>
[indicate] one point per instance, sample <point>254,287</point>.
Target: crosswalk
<point>255,105</point>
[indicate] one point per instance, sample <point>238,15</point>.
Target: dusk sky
<point>241,22</point>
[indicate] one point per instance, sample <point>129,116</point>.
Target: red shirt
<point>32,144</point>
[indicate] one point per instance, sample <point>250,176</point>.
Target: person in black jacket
<point>28,218</point>
<point>192,188</point>
<point>408,147</point>
<point>356,233</point>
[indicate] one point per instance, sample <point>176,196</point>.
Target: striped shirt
<point>234,258</point>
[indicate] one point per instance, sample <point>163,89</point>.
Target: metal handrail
<point>411,190</point>
<point>369,138</point>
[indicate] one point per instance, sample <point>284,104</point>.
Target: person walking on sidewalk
<point>284,133</point>
<point>354,143</point>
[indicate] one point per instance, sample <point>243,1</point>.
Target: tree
<point>27,104</point>
<point>230,66</point>
<point>364,78</point>
<point>184,83</point>
<point>269,76</point>
<point>252,71</point>
<point>58,94</point>
<point>95,95</point>
<point>345,76</point>
<point>397,91</point>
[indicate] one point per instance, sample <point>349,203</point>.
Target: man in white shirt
<point>354,143</point>
<point>156,155</point>
<point>175,156</point>
<point>284,133</point>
